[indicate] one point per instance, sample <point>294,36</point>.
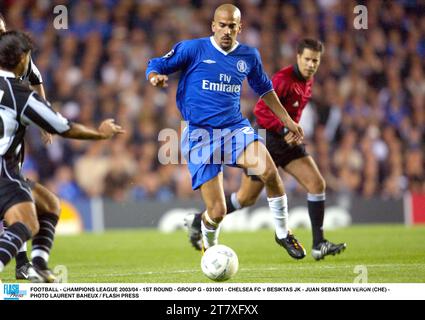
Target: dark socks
<point>11,241</point>
<point>229,204</point>
<point>316,211</point>
<point>21,259</point>
<point>43,240</point>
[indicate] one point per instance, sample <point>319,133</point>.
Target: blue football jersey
<point>210,84</point>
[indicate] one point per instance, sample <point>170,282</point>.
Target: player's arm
<point>39,88</point>
<point>261,84</point>
<point>36,82</point>
<point>158,80</point>
<point>106,130</point>
<point>177,59</point>
<point>35,79</point>
<point>272,101</point>
<point>38,112</point>
<point>46,137</point>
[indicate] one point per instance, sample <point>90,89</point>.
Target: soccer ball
<point>219,263</point>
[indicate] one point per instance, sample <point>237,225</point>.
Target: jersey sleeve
<point>34,75</point>
<point>257,78</point>
<point>178,58</point>
<point>37,111</point>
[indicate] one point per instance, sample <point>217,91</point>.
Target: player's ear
<point>213,26</point>
<point>240,28</point>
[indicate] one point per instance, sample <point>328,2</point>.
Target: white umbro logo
<point>209,61</point>
<point>296,104</point>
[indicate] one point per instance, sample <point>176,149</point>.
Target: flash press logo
<point>13,292</point>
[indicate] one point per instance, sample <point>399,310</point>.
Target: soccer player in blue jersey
<point>208,97</point>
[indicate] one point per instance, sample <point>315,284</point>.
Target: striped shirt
<point>19,108</point>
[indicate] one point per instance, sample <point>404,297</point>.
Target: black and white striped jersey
<point>20,107</point>
<point>33,75</point>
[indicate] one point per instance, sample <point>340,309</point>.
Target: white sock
<point>209,236</point>
<point>1,266</point>
<point>279,209</point>
<point>41,254</point>
<point>23,248</point>
<point>235,201</point>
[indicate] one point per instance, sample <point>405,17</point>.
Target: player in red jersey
<point>293,85</point>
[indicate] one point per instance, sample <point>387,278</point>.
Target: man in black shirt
<point>45,200</point>
<point>19,108</point>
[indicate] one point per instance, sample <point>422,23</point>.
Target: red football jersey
<point>293,92</point>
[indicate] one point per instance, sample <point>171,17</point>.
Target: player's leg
<point>23,265</point>
<point>248,193</point>
<point>306,172</point>
<point>257,161</point>
<point>48,211</point>
<point>46,203</point>
<point>246,196</point>
<point>213,195</point>
<point>20,216</point>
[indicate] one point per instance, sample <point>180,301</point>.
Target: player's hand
<point>109,129</point>
<point>46,137</point>
<point>290,139</point>
<point>159,80</point>
<point>296,129</point>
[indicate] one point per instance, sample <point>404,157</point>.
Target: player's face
<point>226,27</point>
<point>308,63</point>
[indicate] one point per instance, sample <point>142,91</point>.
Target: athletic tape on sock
<point>316,197</point>
<point>210,221</point>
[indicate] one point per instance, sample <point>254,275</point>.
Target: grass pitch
<point>391,254</point>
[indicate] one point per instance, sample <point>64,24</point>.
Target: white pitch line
<point>80,275</point>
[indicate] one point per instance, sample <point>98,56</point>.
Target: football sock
<point>43,240</point>
<point>232,203</point>
<point>279,209</point>
<point>316,211</point>
<point>197,220</point>
<point>10,242</point>
<point>209,233</point>
<point>21,257</point>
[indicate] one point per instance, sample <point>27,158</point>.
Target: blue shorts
<point>206,150</point>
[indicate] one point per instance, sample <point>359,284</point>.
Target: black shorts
<point>281,152</point>
<point>13,192</point>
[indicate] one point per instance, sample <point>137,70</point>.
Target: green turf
<point>392,254</point>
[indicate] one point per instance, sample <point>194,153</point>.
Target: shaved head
<point>226,26</point>
<point>229,10</point>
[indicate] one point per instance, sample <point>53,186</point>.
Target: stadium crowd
<point>365,125</point>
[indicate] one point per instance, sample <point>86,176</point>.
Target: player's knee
<point>317,186</point>
<point>270,175</point>
<point>33,226</point>
<point>52,205</point>
<point>55,206</point>
<point>217,212</point>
